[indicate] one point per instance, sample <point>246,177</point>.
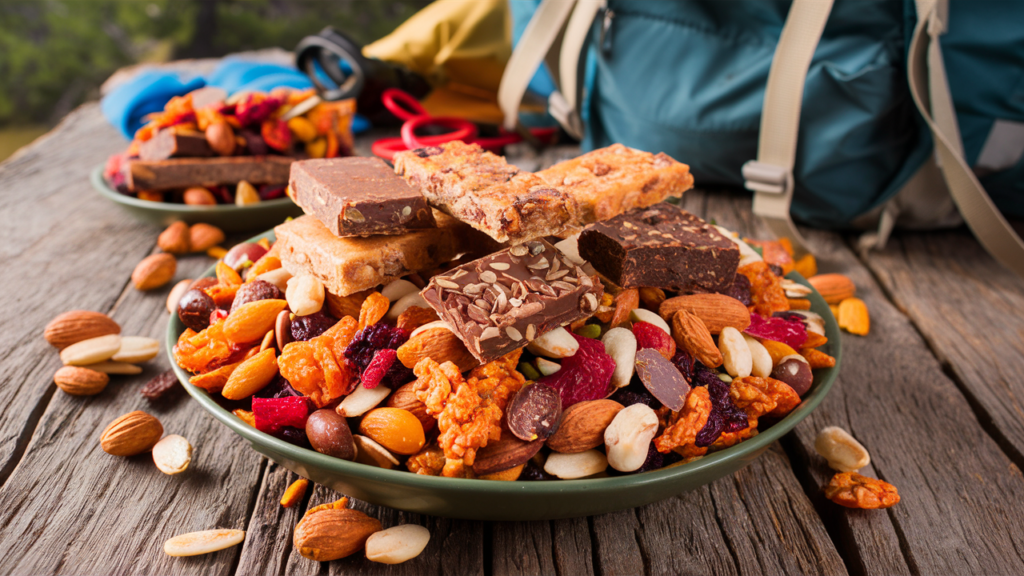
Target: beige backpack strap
<point>771,175</point>
<point>930,90</point>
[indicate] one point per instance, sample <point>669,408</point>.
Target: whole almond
<point>439,344</point>
<point>154,271</point>
<point>91,351</point>
<point>504,453</point>
<point>131,434</point>
<point>221,138</point>
<point>331,534</point>
<point>716,310</point>
<point>77,325</point>
<point>583,425</point>
<point>204,236</point>
<point>79,381</point>
<point>405,398</point>
<point>692,335</point>
<point>175,239</point>
<point>834,288</point>
<point>199,196</point>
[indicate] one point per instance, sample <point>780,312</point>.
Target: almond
<point>405,398</point>
<point>154,271</point>
<point>583,425</point>
<point>693,336</point>
<point>221,138</point>
<point>198,196</point>
<point>79,381</point>
<point>331,534</point>
<point>202,237</point>
<point>131,434</point>
<point>507,452</point>
<point>834,288</point>
<point>203,542</point>
<point>175,239</point>
<point>91,351</point>
<point>108,367</point>
<point>251,376</point>
<point>77,325</point>
<point>136,349</point>
<point>439,344</point>
<point>716,310</point>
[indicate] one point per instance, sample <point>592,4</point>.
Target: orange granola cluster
<point>765,289</point>
<point>683,426</point>
<point>468,411</point>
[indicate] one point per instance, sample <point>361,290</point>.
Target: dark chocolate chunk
<point>186,172</point>
<point>662,379</point>
<point>358,196</point>
<point>505,300</point>
<point>662,246</point>
<point>168,143</point>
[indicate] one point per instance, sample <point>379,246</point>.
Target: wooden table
<point>935,392</point>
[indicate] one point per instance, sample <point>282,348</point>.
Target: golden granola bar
<point>489,194</point>
<point>616,179</point>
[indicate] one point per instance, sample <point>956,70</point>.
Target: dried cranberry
<point>703,376</point>
<point>740,290</point>
<point>254,143</point>
<point>271,192</point>
<point>255,109</point>
<point>724,417</point>
<point>272,414</point>
<point>684,362</point>
<point>776,269</point>
<point>253,291</point>
<point>532,472</point>
<point>218,315</point>
<point>585,375</point>
<point>380,336</point>
<point>222,194</point>
<point>635,394</point>
<point>279,387</point>
<point>310,326</point>
<point>194,309</point>
<point>378,367</point>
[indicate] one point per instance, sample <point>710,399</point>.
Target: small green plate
<point>496,500</point>
<point>228,218</point>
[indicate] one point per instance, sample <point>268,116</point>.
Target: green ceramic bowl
<point>228,218</point>
<point>494,500</point>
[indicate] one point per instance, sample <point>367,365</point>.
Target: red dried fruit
<point>256,108</point>
<point>379,336</point>
<point>378,367</point>
<point>585,375</point>
<point>273,414</point>
<point>792,333</point>
<point>218,315</point>
<point>650,336</point>
<point>276,135</point>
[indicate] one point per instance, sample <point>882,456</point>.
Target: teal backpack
<point>839,113</point>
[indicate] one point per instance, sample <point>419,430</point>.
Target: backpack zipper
<point>605,39</point>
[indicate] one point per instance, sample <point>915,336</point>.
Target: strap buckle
<point>764,177</point>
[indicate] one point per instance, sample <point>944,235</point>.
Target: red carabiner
<point>461,130</point>
<point>402,104</point>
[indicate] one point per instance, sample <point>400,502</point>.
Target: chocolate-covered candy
<point>329,434</point>
<point>662,246</point>
<point>504,300</point>
<point>663,380</point>
<point>795,371</point>
<point>534,412</point>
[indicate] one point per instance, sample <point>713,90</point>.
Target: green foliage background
<point>55,54</point>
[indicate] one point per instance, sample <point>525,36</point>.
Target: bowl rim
<point>748,449</point>
<point>100,184</point>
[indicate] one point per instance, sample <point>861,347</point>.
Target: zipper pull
<point>605,39</point>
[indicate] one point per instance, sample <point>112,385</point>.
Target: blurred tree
<point>55,54</point>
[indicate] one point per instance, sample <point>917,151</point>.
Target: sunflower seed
<point>500,265</point>
<point>539,264</point>
<point>489,332</point>
<point>531,332</point>
<point>518,250</point>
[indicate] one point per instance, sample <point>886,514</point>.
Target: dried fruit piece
<point>806,266</point>
<point>131,434</point>
<point>792,333</point>
<point>834,288</point>
<point>777,350</point>
<point>725,417</point>
<point>763,396</point>
<point>853,490</point>
<point>693,336</point>
<point>766,290</point>
<point>736,356</point>
<point>271,414</point>
<point>254,291</point>
<point>265,265</point>
<point>650,336</point>
<point>414,317</point>
<point>817,358</point>
<point>376,337</point>
<point>317,368</point>
<point>397,430</point>
<point>79,381</point>
<point>250,322</point>
<point>621,345</point>
<point>194,309</point>
<point>77,325</point>
<point>373,309</point>
<point>160,385</point>
<point>203,542</point>
<point>172,454</point>
<point>585,375</point>
<point>302,328</point>
<point>662,379</point>
<point>378,367</point>
<point>681,431</point>
<point>534,412</point>
<point>427,462</point>
<point>397,544</point>
<point>628,438</point>
<point>578,465</point>
<point>294,493</point>
<point>841,450</point>
<point>625,302</point>
<point>853,317</point>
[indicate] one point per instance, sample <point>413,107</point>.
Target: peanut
<point>842,450</point>
<point>305,295</point>
<point>628,437</point>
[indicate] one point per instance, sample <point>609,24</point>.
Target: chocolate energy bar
<point>616,179</point>
<point>662,246</point>
<point>358,196</point>
<point>185,172</point>
<point>167,144</point>
<point>503,301</point>
<point>484,191</point>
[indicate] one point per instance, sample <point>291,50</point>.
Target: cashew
<point>578,465</point>
<point>620,344</point>
<point>842,451</point>
<point>736,354</point>
<point>397,289</point>
<point>305,295</point>
<point>628,438</point>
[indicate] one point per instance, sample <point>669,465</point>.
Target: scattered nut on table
<point>397,544</point>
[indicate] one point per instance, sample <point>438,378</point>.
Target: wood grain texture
<point>970,310</point>
<point>268,538</point>
<point>922,435</point>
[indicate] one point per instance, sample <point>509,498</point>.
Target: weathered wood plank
<point>268,539</point>
<point>969,310</point>
<point>922,435</point>
<point>88,512</point>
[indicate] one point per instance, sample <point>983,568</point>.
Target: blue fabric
<point>688,78</point>
<point>148,92</point>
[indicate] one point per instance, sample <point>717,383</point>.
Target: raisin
<point>724,417</point>
<point>161,385</point>
<point>368,341</point>
<point>308,327</point>
<point>292,435</point>
<point>533,472</point>
<point>279,387</point>
<point>194,310</point>
<point>740,290</point>
<point>253,291</point>
<point>685,363</point>
<point>635,394</point>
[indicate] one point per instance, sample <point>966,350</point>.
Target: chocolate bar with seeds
<point>505,300</point>
<point>349,265</point>
<point>185,172</point>
<point>662,246</point>
<point>489,194</point>
<point>358,196</point>
<point>168,143</point>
